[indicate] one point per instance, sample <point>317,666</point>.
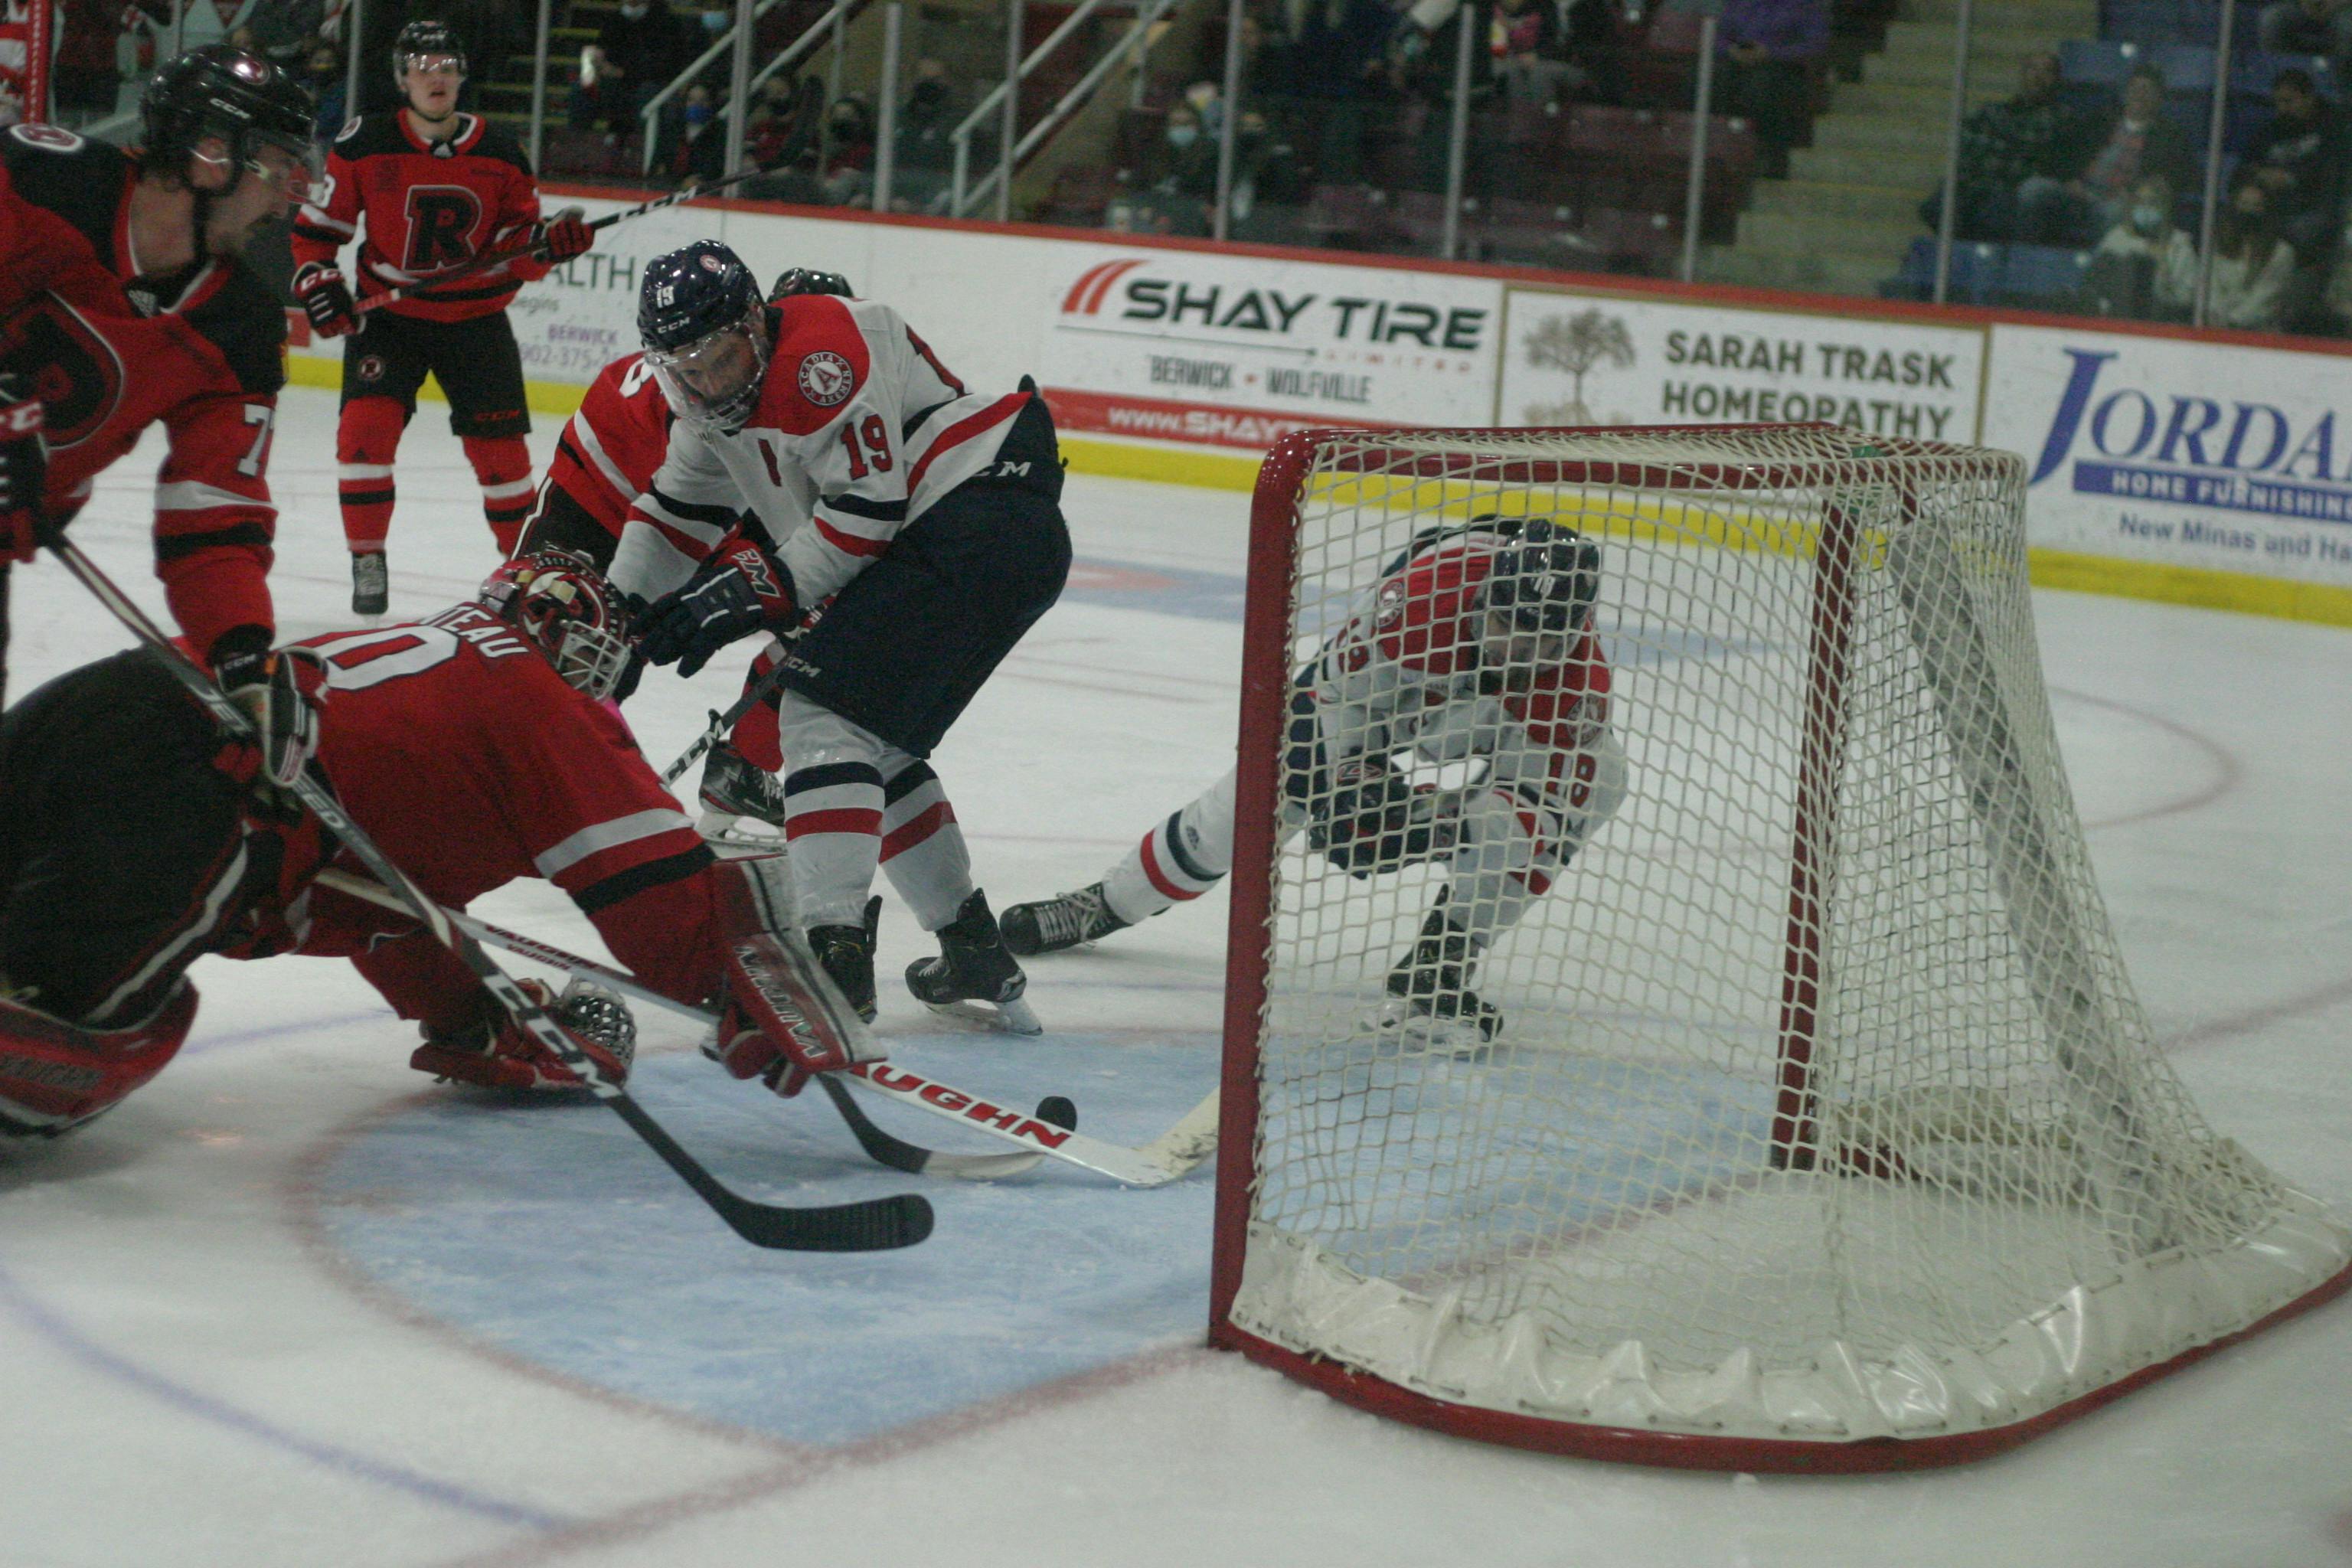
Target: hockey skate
<point>847,954</point>
<point>1059,923</point>
<point>1429,1002</point>
<point>974,978</point>
<point>371,584</point>
<point>734,789</point>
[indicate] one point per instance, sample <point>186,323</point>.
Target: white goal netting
<point>1819,1106</point>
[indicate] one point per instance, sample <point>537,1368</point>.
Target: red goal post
<point>1846,801</point>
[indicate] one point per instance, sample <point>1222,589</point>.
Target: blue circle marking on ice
<point>546,1229</point>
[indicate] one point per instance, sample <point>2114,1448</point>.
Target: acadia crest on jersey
<point>826,378</point>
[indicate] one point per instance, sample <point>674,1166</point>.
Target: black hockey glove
<point>737,592</point>
<point>1376,820</point>
<point>807,281</point>
<point>280,690</point>
<point>327,299</point>
<point>24,467</point>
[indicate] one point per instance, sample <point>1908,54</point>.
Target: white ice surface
<point>293,1305</point>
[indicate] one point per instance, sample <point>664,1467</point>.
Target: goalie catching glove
<point>280,690</point>
<point>1378,820</point>
<point>781,1017</point>
<point>739,590</point>
<point>509,1056</point>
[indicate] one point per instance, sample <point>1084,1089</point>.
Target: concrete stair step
<point>1914,105</point>
<point>1984,42</point>
<point>1795,233</point>
<point>1881,133</point>
<point>1879,204</point>
<point>1818,272</point>
<point>2078,18</point>
<point>1848,166</point>
<point>1928,67</point>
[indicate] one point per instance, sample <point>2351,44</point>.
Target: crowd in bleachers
<point>2084,189</point>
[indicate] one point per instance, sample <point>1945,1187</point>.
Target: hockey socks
<point>366,437</point>
<point>1170,866</point>
<point>832,822</point>
<point>502,467</point>
<point>922,848</point>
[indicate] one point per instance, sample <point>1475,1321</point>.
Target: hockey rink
<point>293,1304</point>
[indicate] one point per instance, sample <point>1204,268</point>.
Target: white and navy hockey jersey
<point>859,429</point>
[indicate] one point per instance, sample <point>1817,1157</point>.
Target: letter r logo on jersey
<point>441,221</point>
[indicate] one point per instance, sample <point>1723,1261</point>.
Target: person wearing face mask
<point>703,154</point>
<point>329,84</point>
<point>640,48</point>
<point>2252,264</point>
<point>2146,264</point>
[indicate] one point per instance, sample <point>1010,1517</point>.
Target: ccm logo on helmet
<point>826,378</point>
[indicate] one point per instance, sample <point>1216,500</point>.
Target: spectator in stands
<point>926,152</point>
<point>282,30</point>
<point>2252,264</point>
<point>2014,156</point>
<point>86,78</point>
<point>327,78</point>
<point>2309,27</point>
<point>1523,44</point>
<point>2298,160</point>
<point>2146,264</point>
<point>848,178</point>
<point>2141,141</point>
<point>1769,49</point>
<point>639,49</point>
<point>702,149</point>
<point>1339,64</point>
<point>1182,178</point>
<point>2332,313</point>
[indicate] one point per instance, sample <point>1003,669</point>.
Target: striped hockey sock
<point>922,848</point>
<point>833,825</point>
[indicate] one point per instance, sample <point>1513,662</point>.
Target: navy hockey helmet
<point>1547,579</point>
<point>426,39</point>
<point>705,332</point>
<point>562,603</point>
<point>234,94</point>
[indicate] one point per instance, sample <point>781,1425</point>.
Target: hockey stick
<point>883,1149</point>
<point>806,110</point>
<point>873,1225</point>
<point>1171,1154</point>
<point>722,725</point>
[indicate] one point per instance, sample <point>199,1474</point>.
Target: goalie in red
<point>473,749</point>
<point>1476,646</point>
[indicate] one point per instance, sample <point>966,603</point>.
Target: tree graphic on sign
<point>1575,344</point>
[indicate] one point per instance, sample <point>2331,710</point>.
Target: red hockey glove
<point>564,235</point>
<point>280,690</point>
<point>509,1056</point>
<point>326,299</point>
<point>24,467</point>
<point>737,592</point>
<point>781,1017</point>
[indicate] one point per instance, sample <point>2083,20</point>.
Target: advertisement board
<point>1598,359</point>
<point>2210,456</point>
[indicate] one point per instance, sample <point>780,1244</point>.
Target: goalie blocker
<point>139,839</point>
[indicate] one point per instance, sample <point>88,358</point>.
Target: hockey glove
<point>737,592</point>
<point>564,235</point>
<point>1376,820</point>
<point>24,467</point>
<point>326,299</point>
<point>280,690</point>
<point>511,1056</point>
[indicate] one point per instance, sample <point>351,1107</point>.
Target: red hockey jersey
<point>455,744</point>
<point>427,206</point>
<point>609,449</point>
<point>110,351</point>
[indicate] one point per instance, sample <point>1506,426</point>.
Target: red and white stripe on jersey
<point>609,450</point>
<point>605,861</point>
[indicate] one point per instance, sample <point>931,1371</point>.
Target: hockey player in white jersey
<point>862,472</point>
<point>1477,645</point>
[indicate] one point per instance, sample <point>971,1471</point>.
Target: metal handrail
<point>685,79</point>
<point>835,21</point>
<point>994,96</point>
<point>965,197</point>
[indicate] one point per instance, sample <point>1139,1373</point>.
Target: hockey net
<point>1823,1128</point>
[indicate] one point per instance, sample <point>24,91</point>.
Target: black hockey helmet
<point>425,38</point>
<point>808,280</point>
<point>1547,579</point>
<point>703,325</point>
<point>222,91</point>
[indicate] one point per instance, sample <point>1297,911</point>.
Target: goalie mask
<point>705,330</point>
<point>557,600</point>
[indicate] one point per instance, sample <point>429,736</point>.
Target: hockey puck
<point>1057,1109</point>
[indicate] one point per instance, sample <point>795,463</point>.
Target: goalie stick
<point>1173,1154</point>
<point>806,111</point>
<point>873,1225</point>
<point>879,1145</point>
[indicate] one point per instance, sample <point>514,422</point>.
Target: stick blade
<point>876,1225</point>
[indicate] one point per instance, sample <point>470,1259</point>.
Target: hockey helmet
<point>808,280</point>
<point>222,91</point>
<point>562,603</point>
<point>705,332</point>
<point>426,39</point>
<point>1547,579</point>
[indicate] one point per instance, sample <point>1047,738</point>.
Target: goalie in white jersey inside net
<point>1477,649</point>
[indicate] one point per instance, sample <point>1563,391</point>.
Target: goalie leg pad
<point>54,1076</point>
<point>781,1017</point>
